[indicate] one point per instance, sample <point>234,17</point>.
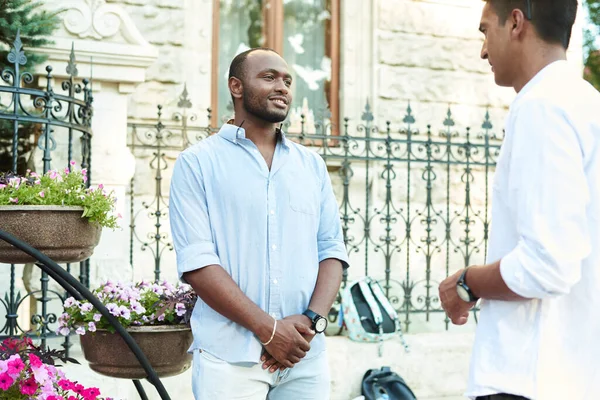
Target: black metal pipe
<point>140,389</point>
<point>76,286</point>
<point>76,295</point>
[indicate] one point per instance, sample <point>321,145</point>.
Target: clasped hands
<point>290,343</point>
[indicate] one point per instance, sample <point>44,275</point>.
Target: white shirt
<point>546,231</point>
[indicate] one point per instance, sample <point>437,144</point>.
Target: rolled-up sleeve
<point>548,196</point>
<point>188,211</point>
<point>330,237</point>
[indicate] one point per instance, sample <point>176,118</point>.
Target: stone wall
<point>428,53</point>
<point>181,30</point>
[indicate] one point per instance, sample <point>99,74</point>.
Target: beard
<point>259,107</point>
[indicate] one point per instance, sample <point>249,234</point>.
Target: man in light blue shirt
<point>257,233</point>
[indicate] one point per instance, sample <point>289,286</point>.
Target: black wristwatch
<point>464,292</point>
<point>319,323</point>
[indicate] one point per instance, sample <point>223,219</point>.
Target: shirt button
<point>275,281</point>
<point>274,247</point>
<point>272,212</point>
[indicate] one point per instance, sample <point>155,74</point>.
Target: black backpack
<point>384,384</point>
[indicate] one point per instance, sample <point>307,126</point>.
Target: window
<point>305,32</point>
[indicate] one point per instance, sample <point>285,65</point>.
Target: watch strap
<point>313,316</point>
<point>463,283</point>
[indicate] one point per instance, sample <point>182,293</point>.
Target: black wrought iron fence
<point>56,123</point>
<point>414,205</point>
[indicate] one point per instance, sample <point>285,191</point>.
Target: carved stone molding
<point>95,19</point>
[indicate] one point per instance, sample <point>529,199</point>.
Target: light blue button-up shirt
<point>269,229</point>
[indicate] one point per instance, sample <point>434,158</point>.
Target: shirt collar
<point>234,133</point>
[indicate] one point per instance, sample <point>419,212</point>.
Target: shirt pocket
<point>304,196</point>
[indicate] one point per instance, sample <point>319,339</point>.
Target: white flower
<point>80,330</point>
<point>137,307</point>
<point>64,331</point>
<point>64,317</point>
<point>97,317</point>
<point>123,312</point>
<point>113,309</point>
<point>40,374</point>
<point>92,327</point>
<point>180,309</point>
<point>87,307</point>
<point>157,289</point>
<point>70,302</point>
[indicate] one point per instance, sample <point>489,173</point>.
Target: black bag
<point>384,384</point>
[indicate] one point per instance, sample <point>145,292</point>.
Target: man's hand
<point>456,309</point>
<point>269,362</point>
<point>289,346</point>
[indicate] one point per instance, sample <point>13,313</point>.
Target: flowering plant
<point>63,188</point>
<point>143,303</point>
<point>28,372</point>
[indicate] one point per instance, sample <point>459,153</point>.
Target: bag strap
<point>383,300</point>
<point>365,288</point>
<point>367,291</point>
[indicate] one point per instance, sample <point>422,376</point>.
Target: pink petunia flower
<point>28,387</point>
<point>5,381</point>
<point>35,361</point>
<point>65,384</point>
<point>91,393</point>
<point>13,200</point>
<point>17,364</point>
<point>42,194</point>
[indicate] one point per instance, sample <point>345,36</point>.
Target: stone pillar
<point>110,50</point>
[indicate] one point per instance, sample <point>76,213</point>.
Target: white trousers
<point>215,379</point>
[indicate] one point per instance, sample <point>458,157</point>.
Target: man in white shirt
<point>538,335</point>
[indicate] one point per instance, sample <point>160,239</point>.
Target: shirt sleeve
<point>190,223</point>
<point>548,197</point>
<point>330,238</point>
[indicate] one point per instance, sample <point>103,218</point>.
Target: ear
<point>236,88</point>
<point>517,23</point>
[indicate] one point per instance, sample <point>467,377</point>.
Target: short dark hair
<point>552,19</point>
<point>237,69</point>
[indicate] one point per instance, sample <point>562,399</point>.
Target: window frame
<point>273,30</point>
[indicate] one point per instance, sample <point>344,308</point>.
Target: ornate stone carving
<point>98,20</point>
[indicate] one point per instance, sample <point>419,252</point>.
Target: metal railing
<point>50,121</point>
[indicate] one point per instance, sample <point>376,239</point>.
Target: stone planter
<point>58,232</point>
<point>165,347</point>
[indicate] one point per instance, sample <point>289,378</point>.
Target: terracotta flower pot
<point>165,346</point>
<point>58,232</point>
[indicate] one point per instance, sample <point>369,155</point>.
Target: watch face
<point>320,325</point>
<point>463,294</point>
